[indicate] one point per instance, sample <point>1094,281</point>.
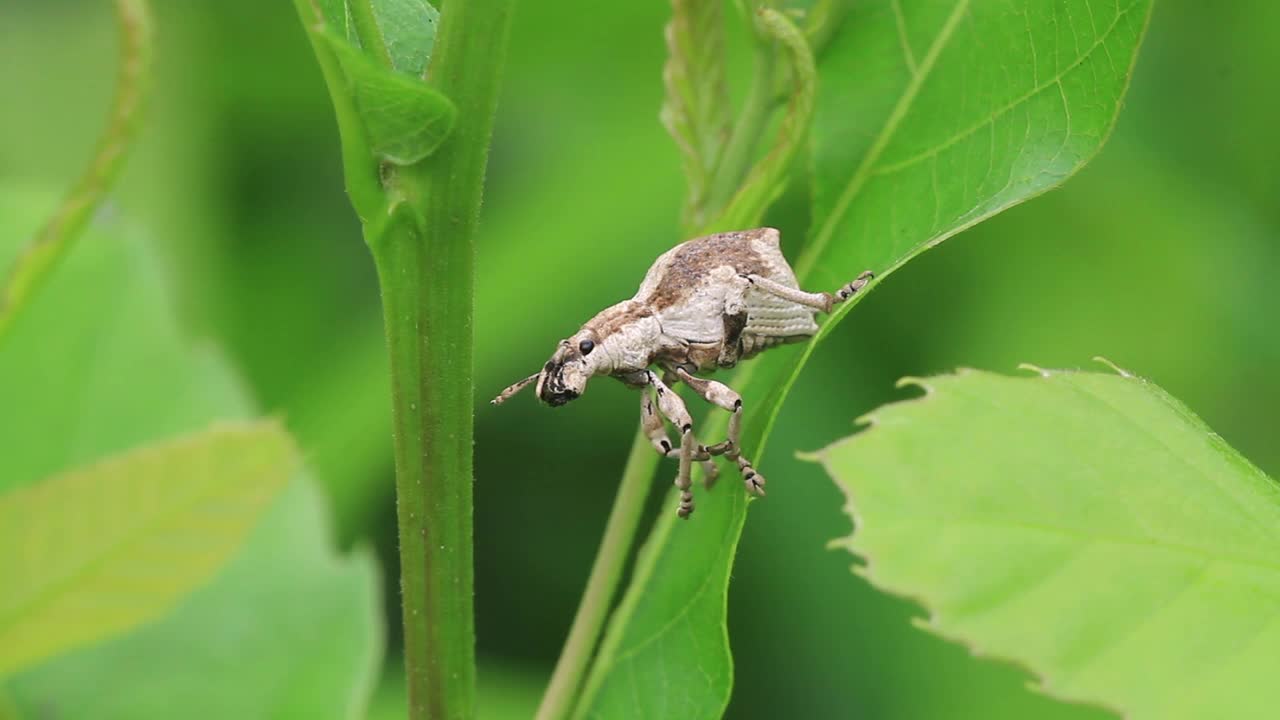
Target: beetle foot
<point>852,288</point>
<point>753,480</point>
<point>724,447</point>
<point>701,454</point>
<point>686,505</point>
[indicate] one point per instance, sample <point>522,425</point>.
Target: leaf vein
<point>1012,105</point>
<point>901,21</point>
<point>863,173</point>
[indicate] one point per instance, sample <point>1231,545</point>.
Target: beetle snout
<point>557,399</point>
<point>560,381</point>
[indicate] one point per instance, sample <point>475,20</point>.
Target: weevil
<point>706,304</point>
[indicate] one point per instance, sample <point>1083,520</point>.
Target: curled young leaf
<point>695,109</point>
<point>768,178</point>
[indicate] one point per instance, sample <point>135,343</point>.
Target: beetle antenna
<point>512,389</point>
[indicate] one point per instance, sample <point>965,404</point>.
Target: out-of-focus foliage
<point>95,365</point>
<point>95,551</point>
<point>1160,255</point>
<point>1086,525</point>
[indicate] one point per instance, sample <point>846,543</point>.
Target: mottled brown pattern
<point>694,259</point>
<point>612,319</point>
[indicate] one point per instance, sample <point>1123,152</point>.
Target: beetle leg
<point>710,473</point>
<point>823,301</point>
<point>674,410</point>
<point>683,476</point>
<point>723,396</point>
<point>651,421</point>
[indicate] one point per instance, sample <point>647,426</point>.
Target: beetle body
<point>703,305</point>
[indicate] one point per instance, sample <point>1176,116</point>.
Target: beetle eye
<point>586,346</point>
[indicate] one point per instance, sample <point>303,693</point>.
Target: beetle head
<point>618,339</point>
<point>565,375</point>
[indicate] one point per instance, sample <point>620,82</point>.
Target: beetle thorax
<point>627,335</point>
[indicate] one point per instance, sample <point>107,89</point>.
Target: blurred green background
<point>1160,256</point>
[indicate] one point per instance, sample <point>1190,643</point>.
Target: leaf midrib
<point>900,110</point>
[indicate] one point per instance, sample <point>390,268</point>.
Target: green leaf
<point>666,652</point>
<point>96,551</point>
<point>404,119</point>
<point>290,627</point>
<point>407,28</point>
<point>1088,526</point>
<point>994,103</point>
<point>947,113</point>
<point>409,31</point>
<point>97,365</point>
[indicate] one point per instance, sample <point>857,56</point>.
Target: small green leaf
<point>98,550</point>
<point>1085,525</point>
<point>407,28</point>
<point>337,17</point>
<point>404,118</point>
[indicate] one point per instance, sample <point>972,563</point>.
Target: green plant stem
<point>54,239</point>
<point>606,571</point>
<point>367,30</point>
<point>424,251</point>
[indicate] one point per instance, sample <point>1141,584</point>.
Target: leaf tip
<point>840,543</point>
<point>809,456</point>
<point>907,381</point>
<point>1118,370</point>
<point>1035,369</point>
